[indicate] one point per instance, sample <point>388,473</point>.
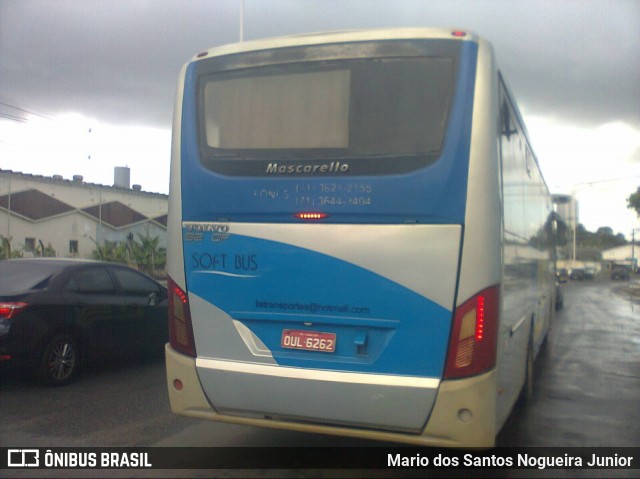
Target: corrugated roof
<point>34,204</point>
<point>115,213</point>
<point>53,179</point>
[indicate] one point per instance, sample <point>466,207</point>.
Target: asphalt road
<point>587,393</point>
<point>588,378</point>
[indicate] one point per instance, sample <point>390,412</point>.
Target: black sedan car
<point>577,274</point>
<point>620,272</point>
<point>57,313</point>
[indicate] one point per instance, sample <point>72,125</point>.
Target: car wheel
<point>59,361</point>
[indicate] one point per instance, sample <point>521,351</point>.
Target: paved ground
<point>588,379</point>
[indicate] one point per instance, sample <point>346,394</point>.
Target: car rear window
<point>22,276</point>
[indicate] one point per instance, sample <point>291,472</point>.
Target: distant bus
<point>360,238</point>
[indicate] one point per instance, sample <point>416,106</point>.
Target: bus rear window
<point>386,110</point>
<point>301,110</point>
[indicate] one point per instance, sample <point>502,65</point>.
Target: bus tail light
<point>474,337</point>
<point>180,328</point>
<point>311,216</point>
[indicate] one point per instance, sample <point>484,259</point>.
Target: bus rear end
<point>318,199</point>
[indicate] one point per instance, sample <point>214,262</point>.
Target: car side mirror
<point>158,296</point>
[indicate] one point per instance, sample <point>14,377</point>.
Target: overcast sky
<point>111,66</point>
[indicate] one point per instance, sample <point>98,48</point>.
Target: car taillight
<point>180,329</point>
<point>473,342</point>
<point>9,310</point>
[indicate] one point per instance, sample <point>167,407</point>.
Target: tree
<point>45,251</point>
<point>633,202</point>
<point>144,254</point>
<point>601,240</point>
<point>109,251</point>
<point>147,254</point>
<point>5,249</point>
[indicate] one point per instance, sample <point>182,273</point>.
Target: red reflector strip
<point>480,315</point>
<point>459,33</point>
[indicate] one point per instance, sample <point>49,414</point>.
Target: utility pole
<point>9,210</point>
<point>241,20</point>
<point>633,248</point>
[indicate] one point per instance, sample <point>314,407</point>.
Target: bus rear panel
<point>319,215</point>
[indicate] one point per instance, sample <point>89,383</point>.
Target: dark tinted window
<point>29,244</point>
<point>134,283</point>
<point>24,275</point>
<point>368,107</point>
<point>91,281</point>
<point>390,108</point>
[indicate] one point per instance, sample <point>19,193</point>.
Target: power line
<point>24,110</point>
<point>608,180</point>
<point>19,119</point>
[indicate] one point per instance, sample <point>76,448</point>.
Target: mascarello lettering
<point>300,169</point>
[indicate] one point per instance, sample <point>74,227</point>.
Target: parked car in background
<point>620,272</point>
<point>55,314</point>
<point>578,274</point>
<point>589,273</point>
<point>563,275</point>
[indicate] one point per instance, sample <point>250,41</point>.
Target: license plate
<point>308,340</point>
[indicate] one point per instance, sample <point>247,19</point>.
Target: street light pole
<point>9,211</point>
<point>574,221</point>
<point>241,21</point>
<point>633,248</point>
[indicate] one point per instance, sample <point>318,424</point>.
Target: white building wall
<point>57,232</point>
<point>77,225</point>
<point>621,253</point>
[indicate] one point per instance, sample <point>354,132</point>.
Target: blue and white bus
<point>360,239</point>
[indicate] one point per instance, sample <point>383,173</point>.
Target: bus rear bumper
<point>463,414</point>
